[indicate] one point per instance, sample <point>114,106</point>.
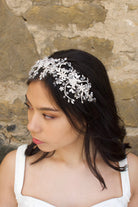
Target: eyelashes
<point>28,106</point>
<point>48,117</point>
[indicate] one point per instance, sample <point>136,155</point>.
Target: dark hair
<point>103,129</point>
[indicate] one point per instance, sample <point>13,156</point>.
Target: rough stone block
<point>20,6</point>
<point>52,16</point>
<point>17,47</point>
<point>99,47</point>
<point>126,93</point>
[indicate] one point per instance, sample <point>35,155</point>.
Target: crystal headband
<point>70,82</point>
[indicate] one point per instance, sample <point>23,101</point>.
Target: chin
<point>45,149</point>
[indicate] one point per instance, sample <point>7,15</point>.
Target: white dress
<point>28,201</point>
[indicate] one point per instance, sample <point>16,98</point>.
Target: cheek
<point>58,128</point>
<point>66,131</point>
<point>63,126</point>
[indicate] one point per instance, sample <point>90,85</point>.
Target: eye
<point>48,117</point>
<point>28,106</point>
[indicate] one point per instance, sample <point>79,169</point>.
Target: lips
<point>36,141</point>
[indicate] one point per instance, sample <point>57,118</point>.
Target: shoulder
<point>8,164</point>
<point>7,170</point>
<point>132,163</point>
<point>9,158</point>
<point>133,172</point>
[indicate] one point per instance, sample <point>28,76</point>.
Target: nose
<point>34,125</point>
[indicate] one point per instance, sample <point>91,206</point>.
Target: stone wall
<point>30,29</point>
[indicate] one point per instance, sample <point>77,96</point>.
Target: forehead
<point>39,94</point>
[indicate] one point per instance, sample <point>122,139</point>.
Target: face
<point>48,125</point>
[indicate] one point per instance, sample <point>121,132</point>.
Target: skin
<point>48,123</point>
<point>66,173</point>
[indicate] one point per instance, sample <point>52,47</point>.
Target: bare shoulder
<point>133,175</point>
<point>9,160</point>
<point>132,163</point>
<point>132,166</point>
<point>7,174</point>
<point>8,164</point>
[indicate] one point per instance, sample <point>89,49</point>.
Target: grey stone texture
<point>30,29</point>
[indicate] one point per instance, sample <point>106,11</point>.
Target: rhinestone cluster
<point>73,85</point>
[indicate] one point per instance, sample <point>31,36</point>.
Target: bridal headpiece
<point>73,85</point>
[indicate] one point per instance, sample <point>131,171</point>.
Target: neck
<point>72,154</point>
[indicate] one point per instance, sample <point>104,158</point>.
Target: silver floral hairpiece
<point>71,83</point>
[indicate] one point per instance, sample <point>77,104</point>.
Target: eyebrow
<point>41,108</point>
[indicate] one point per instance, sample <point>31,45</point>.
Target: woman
<point>77,157</point>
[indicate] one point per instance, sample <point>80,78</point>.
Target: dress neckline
<point>51,205</point>
<point>19,179</point>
